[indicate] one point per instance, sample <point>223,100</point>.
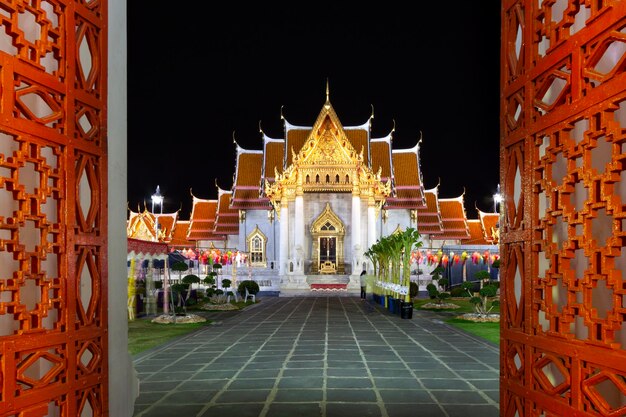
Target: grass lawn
<point>144,335</point>
<point>489,331</point>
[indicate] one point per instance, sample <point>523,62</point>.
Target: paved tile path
<point>321,356</point>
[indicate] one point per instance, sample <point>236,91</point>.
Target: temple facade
<point>305,208</point>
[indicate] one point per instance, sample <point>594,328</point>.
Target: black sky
<point>196,77</point>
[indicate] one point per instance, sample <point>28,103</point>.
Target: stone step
<point>327,279</point>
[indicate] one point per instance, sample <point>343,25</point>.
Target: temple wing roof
<point>453,219</point>
<point>429,218</point>
<point>381,156</point>
<point>273,157</point>
<point>476,233</point>
<point>202,222</point>
<point>409,190</point>
<point>247,185</point>
<point>179,236</point>
<point>226,218</point>
<point>490,226</point>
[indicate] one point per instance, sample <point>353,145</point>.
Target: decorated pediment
<point>327,145</point>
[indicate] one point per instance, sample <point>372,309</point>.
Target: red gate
<point>563,160</point>
<point>53,277</point>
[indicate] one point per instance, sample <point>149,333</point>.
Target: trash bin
<point>406,310</point>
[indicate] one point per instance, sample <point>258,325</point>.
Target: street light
<point>157,199</point>
<point>497,199</point>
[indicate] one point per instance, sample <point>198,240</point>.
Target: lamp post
<point>497,199</point>
<point>157,199</point>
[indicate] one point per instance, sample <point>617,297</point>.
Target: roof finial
<point>420,141</point>
<point>327,91</point>
<point>393,129</point>
<point>282,117</point>
<point>234,140</point>
<point>260,130</point>
<point>372,115</point>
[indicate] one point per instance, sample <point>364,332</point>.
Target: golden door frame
<point>319,230</point>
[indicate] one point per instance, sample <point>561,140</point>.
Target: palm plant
<point>410,239</point>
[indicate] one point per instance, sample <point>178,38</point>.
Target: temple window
<point>317,179</point>
<point>307,179</point>
<point>337,178</point>
<point>347,178</point>
<point>327,178</point>
<point>257,243</point>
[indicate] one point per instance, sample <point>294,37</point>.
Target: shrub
<point>191,279</point>
<point>458,292</point>
<point>252,287</point>
<point>413,289</point>
<point>432,291</point>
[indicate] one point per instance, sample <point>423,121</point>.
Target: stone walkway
<point>320,356</point>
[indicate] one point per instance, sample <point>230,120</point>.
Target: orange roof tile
<point>179,237</point>
<point>381,157</point>
<point>166,224</point>
<point>358,138</point>
<point>226,218</point>
<point>409,190</point>
<point>453,219</point>
<point>273,158</point>
<point>295,140</point>
<point>476,234</point>
<point>429,219</point>
<point>247,187</point>
<point>489,223</point>
<point>202,222</point>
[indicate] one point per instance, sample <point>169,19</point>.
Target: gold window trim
<point>257,232</point>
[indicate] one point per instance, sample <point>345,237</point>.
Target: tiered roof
<point>202,222</point>
<point>247,186</point>
<point>453,219</point>
<point>477,237</point>
<point>490,226</point>
<point>381,157</point>
<point>179,237</point>
<point>429,218</point>
<point>409,190</point>
<point>226,217</point>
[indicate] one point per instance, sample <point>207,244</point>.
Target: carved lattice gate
<point>563,160</point>
<point>53,321</point>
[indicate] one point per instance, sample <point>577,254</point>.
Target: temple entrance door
<point>328,255</point>
<point>327,233</point>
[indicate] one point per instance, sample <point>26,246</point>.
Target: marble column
<point>371,225</point>
<point>299,234</point>
<point>356,234</point>
<point>284,238</point>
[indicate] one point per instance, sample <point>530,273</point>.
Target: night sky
<point>196,77</point>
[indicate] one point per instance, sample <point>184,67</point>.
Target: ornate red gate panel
<point>53,277</point>
<point>563,166</point>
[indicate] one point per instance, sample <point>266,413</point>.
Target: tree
<point>441,282</point>
<point>488,290</point>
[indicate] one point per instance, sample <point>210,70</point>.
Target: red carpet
<point>328,287</point>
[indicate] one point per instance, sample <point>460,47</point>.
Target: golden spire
<point>327,91</point>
